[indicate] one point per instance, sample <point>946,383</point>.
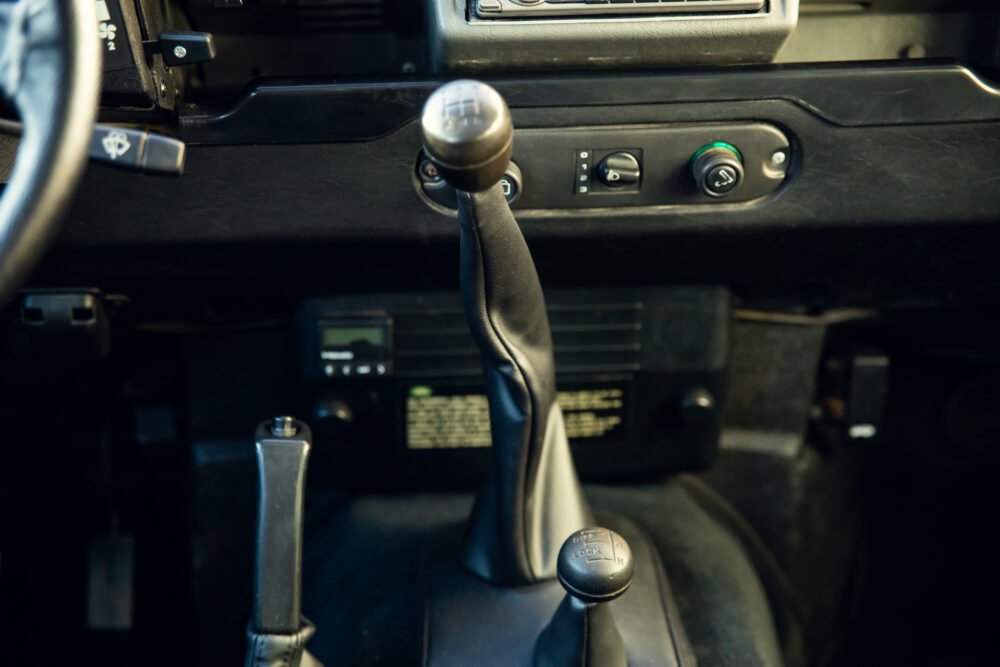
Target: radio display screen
<point>341,336</point>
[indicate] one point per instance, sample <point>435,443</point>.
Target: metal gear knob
<point>468,132</point>
<point>595,565</point>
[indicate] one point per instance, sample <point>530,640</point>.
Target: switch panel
<point>606,170</point>
<point>640,166</point>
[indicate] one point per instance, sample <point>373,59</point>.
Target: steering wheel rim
<point>50,69</point>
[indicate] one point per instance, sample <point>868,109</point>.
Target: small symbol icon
<point>180,51</point>
<point>380,369</point>
<point>582,189</point>
<point>584,155</point>
<point>106,30</point>
<point>116,144</point>
<point>584,167</point>
<point>583,178</point>
<point>328,370</point>
<point>364,369</point>
<point>429,171</point>
<point>346,369</point>
<point>506,186</point>
<point>614,176</point>
<point>779,157</point>
<point>724,179</point>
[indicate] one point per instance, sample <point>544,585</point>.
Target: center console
<point>397,391</point>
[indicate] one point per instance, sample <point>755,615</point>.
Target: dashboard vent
<point>591,338</point>
<point>340,15</point>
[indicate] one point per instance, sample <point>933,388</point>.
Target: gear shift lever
<point>531,499</point>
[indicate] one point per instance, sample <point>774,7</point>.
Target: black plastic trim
<point>849,95</point>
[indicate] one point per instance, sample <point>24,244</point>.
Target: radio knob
<point>696,407</point>
<point>334,411</point>
<point>717,169</point>
<point>619,170</point>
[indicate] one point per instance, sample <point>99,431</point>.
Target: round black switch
<point>720,180</point>
<point>717,169</point>
<point>429,174</point>
<point>619,170</point>
<point>697,407</point>
<point>595,565</point>
<point>510,183</point>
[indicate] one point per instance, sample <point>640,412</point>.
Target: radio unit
<point>396,385</point>
<point>491,9</point>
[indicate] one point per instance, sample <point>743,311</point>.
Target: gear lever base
<point>472,622</point>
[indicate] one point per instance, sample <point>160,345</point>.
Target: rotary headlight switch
<point>619,170</point>
<point>717,169</point>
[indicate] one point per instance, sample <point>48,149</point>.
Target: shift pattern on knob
<point>468,132</point>
<point>595,565</point>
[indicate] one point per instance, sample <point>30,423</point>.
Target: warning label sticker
<point>444,418</point>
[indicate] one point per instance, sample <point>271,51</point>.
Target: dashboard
<point>824,125</point>
<point>766,231</point>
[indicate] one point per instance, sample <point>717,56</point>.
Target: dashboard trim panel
<point>855,95</point>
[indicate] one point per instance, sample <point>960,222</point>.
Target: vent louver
<point>593,338</point>
<point>337,15</point>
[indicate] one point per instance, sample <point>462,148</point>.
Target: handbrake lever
<point>278,632</point>
<point>282,455</point>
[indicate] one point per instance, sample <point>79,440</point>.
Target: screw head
<point>180,51</point>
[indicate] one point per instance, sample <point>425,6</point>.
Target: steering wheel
<point>50,70</point>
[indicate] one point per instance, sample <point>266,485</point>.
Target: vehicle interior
<point>499,333</point>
